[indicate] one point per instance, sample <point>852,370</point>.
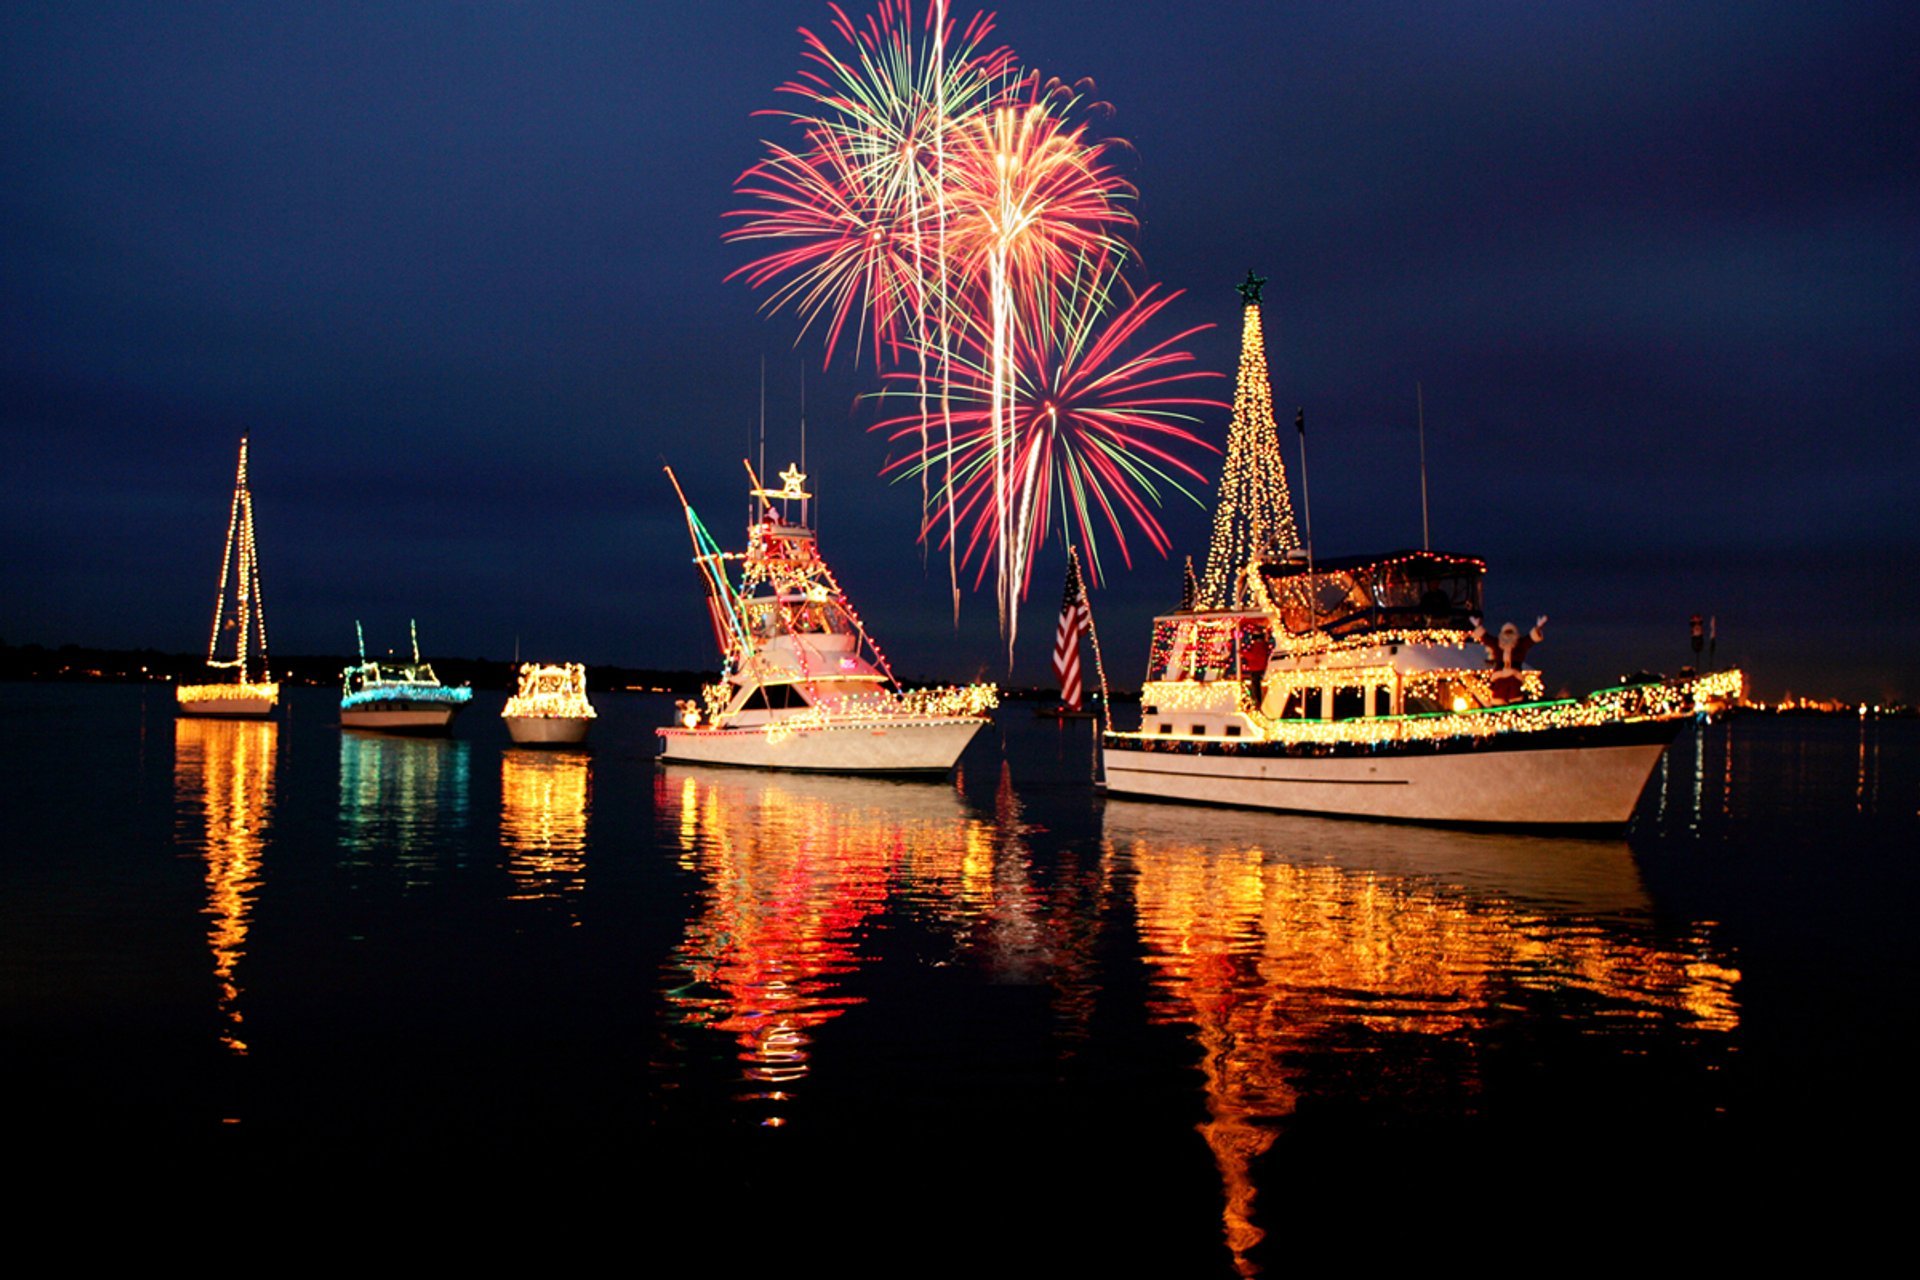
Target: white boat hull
<point>237,708</point>
<point>869,747</point>
<point>1594,786</point>
<point>557,731</point>
<point>411,719</point>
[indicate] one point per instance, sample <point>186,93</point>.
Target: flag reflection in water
<point>543,822</point>
<point>1350,963</point>
<point>223,794</point>
<point>792,870</point>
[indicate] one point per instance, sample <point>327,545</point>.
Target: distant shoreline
<point>73,663</point>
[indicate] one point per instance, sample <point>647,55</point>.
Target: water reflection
<point>543,822</point>
<point>223,772</point>
<point>792,869</point>
<point>402,796</point>
<point>1288,945</point>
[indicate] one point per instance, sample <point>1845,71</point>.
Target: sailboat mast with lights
<point>238,643</point>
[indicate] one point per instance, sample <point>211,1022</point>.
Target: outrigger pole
<point>728,631</point>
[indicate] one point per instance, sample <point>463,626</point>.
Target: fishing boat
<point>398,697</point>
<point>249,692</point>
<point>550,708</point>
<point>802,685</point>
<point>1366,687</point>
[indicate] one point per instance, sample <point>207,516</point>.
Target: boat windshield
<point>1408,591</point>
<point>768,617</point>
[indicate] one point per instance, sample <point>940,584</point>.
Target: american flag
<point>1074,617</point>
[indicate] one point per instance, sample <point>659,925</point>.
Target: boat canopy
<point>1401,591</point>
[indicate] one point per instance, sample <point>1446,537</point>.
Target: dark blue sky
<point>458,270</point>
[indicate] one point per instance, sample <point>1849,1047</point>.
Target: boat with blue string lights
<point>398,697</point>
<point>803,685</point>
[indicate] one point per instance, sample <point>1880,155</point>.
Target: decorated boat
<point>1367,687</point>
<point>802,683</point>
<point>398,697</point>
<point>550,708</point>
<point>240,632</point>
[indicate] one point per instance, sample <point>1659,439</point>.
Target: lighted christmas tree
<point>1254,518</point>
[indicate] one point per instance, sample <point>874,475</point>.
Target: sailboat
<point>241,632</point>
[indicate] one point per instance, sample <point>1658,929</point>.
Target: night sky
<point>458,270</point>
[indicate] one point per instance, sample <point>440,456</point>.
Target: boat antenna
<point>1426,535</point>
<point>413,631</point>
<point>753,513</point>
<point>360,636</point>
<point>1306,495</point>
<point>1306,501</point>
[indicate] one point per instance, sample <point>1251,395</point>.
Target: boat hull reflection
<point>1326,967</point>
<point>223,774</point>
<point>792,869</point>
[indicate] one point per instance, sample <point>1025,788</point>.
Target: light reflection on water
<point>543,822</point>
<point>793,870</point>
<point>214,943</point>
<point>223,791</point>
<point>1278,941</point>
<point>403,799</point>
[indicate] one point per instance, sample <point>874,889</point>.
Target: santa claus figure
<point>1506,653</point>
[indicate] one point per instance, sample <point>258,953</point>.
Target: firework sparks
<point>954,216</point>
<point>1099,418</point>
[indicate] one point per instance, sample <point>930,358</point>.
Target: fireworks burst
<point>1097,416</point>
<point>954,216</point>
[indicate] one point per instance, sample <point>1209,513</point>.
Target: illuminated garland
<point>1230,696</point>
<point>551,692</point>
<point>951,702</point>
<point>244,690</point>
<point>1627,704</point>
<point>1217,696</point>
<point>1254,517</point>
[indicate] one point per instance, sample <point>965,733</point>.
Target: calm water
<point>943,1023</point>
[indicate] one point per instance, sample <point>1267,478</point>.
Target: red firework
<point>1100,416</point>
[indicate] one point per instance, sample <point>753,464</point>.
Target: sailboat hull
<point>235,706</point>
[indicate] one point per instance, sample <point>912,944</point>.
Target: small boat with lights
<point>243,627</point>
<point>398,697</point>
<point>1366,687</point>
<point>802,685</point>
<point>550,708</point>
